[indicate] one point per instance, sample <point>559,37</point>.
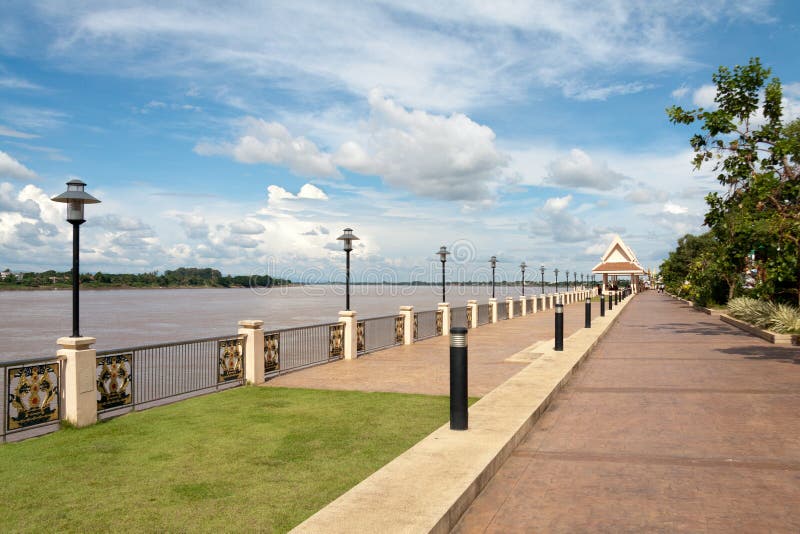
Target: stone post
<point>348,318</point>
<point>493,309</point>
<point>444,307</point>
<point>523,302</point>
<point>473,305</point>
<point>80,379</point>
<point>253,350</point>
<point>408,324</point>
<point>510,307</point>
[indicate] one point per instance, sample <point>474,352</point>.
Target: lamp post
<point>493,262</point>
<point>567,281</point>
<point>522,267</point>
<point>443,258</point>
<point>574,279</point>
<point>581,279</point>
<point>347,237</point>
<point>541,270</point>
<point>556,273</point>
<point>75,197</point>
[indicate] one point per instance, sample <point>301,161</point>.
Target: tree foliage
<point>755,155</point>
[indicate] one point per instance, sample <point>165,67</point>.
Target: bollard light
<point>459,415</point>
<point>559,324</point>
<point>347,237</point>
<point>587,323</point>
<point>602,302</point>
<point>443,258</point>
<point>75,197</point>
<point>522,268</point>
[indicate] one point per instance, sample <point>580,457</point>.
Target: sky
<point>246,136</point>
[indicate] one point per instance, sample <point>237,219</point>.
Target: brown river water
<point>32,321</point>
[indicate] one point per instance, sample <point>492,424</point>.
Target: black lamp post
<point>75,197</point>
<point>567,281</point>
<point>348,239</point>
<point>522,267</point>
<point>556,273</point>
<point>493,262</point>
<point>443,258</point>
<point>574,279</point>
<point>541,270</point>
<point>581,279</point>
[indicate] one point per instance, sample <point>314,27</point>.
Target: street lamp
<point>75,197</point>
<point>493,262</point>
<point>522,267</point>
<point>556,273</point>
<point>348,239</point>
<point>541,270</point>
<point>567,281</point>
<point>574,279</point>
<point>443,258</point>
<point>581,279</point>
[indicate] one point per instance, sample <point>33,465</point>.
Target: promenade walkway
<point>424,367</point>
<point>676,422</point>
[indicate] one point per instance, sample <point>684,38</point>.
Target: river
<point>32,321</point>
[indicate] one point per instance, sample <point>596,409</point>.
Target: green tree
<point>755,156</point>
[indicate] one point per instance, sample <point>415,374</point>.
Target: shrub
<point>785,319</point>
<point>753,311</point>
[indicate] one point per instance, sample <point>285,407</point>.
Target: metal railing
<point>502,313</point>
<point>517,308</point>
<point>458,317</point>
<point>381,332</point>
<point>483,314</point>
<point>137,378</point>
<point>425,324</point>
<point>291,349</point>
<point>33,401</point>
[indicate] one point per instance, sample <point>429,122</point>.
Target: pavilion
<point>619,260</point>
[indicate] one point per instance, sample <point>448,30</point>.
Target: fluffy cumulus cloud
<point>271,142</point>
<point>11,168</point>
<point>578,169</point>
<point>645,195</point>
<point>674,209</point>
<point>563,224</point>
<point>704,96</point>
<point>448,157</point>
<point>247,227</point>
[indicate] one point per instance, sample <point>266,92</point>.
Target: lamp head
<point>75,197</point>
<point>347,237</point>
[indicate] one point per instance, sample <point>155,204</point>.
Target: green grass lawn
<point>246,459</point>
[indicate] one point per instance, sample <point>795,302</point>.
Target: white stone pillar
<point>253,350</point>
<point>348,318</point>
<point>408,324</point>
<point>473,305</point>
<point>510,307</point>
<point>523,304</point>
<point>493,309</point>
<point>80,379</point>
<point>444,307</point>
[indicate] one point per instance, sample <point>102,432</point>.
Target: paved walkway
<point>424,367</point>
<point>676,422</point>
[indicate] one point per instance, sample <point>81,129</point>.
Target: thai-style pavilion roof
<point>618,258</point>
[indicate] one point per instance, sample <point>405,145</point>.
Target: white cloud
<point>271,142</point>
<point>8,132</point>
<point>247,227</point>
<point>680,92</point>
<point>674,209</point>
<point>313,192</point>
<point>586,93</point>
<point>704,97</point>
<point>577,169</point>
<point>646,195</point>
<point>564,226</point>
<point>557,204</point>
<point>11,168</point>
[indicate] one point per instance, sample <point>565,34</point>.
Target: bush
<point>785,319</point>
<point>753,311</point>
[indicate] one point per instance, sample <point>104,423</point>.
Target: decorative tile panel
<point>32,395</point>
<point>272,352</point>
<point>231,360</point>
<point>469,316</point>
<point>439,322</point>
<point>114,376</point>
<point>361,337</point>
<point>336,341</point>
<point>399,329</point>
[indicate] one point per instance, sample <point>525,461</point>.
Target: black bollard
<point>458,378</point>
<point>588,320</point>
<point>559,325</point>
<point>602,305</point>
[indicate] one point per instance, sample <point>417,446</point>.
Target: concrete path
<point>676,422</point>
<point>423,367</point>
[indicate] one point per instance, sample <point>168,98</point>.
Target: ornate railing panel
<point>425,324</point>
<point>272,353</point>
<point>32,403</point>
<point>167,372</point>
<point>114,375</point>
<point>335,341</point>
<point>291,349</point>
<point>399,329</point>
<point>469,316</point>
<point>439,322</point>
<point>361,341</point>
<point>483,314</point>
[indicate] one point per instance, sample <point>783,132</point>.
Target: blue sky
<point>246,137</point>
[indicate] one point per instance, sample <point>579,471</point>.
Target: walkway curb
<point>428,487</point>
